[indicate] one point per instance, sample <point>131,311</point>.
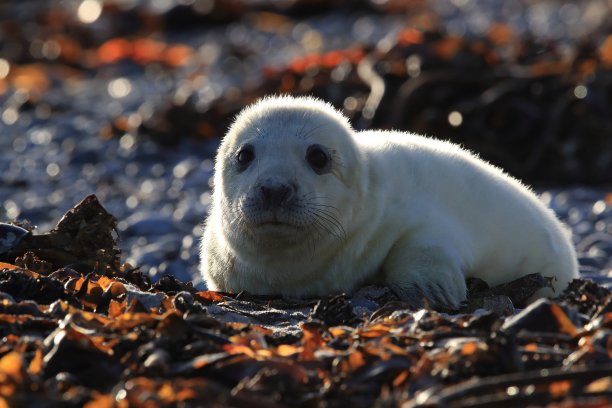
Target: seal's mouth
<point>276,230</point>
<point>275,223</point>
<point>273,219</point>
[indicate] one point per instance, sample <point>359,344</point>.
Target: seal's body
<point>305,206</point>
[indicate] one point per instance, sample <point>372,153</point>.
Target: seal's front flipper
<point>425,275</point>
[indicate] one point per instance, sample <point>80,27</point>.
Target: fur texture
<point>393,208</point>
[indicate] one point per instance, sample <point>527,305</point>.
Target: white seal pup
<point>303,205</point>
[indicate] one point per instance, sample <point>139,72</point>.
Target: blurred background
<point>128,99</point>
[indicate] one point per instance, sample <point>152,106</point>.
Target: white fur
<point>417,214</point>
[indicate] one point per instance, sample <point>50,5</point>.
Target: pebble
<point>149,225</point>
<point>148,300</point>
<point>10,236</point>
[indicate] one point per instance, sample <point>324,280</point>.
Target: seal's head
<point>284,171</point>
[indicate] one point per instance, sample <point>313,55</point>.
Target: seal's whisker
<point>329,214</point>
<point>304,121</point>
<point>314,129</point>
<point>330,207</point>
<point>336,159</point>
<point>329,223</point>
<point>333,221</point>
<point>315,197</point>
<point>256,128</point>
<point>312,239</point>
<point>326,227</point>
<point>312,203</point>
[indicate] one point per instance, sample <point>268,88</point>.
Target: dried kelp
<point>112,339</point>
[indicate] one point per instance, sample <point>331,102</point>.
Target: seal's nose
<point>275,193</point>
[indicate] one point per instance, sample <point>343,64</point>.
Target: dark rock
<point>10,236</point>
<point>334,311</point>
<point>541,316</point>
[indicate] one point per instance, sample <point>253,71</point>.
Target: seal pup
<point>303,205</point>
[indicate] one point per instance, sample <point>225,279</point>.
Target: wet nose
<point>275,193</point>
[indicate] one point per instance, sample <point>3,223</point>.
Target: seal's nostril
<point>276,194</point>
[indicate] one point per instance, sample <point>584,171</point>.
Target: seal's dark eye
<point>245,155</point>
<point>319,159</point>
